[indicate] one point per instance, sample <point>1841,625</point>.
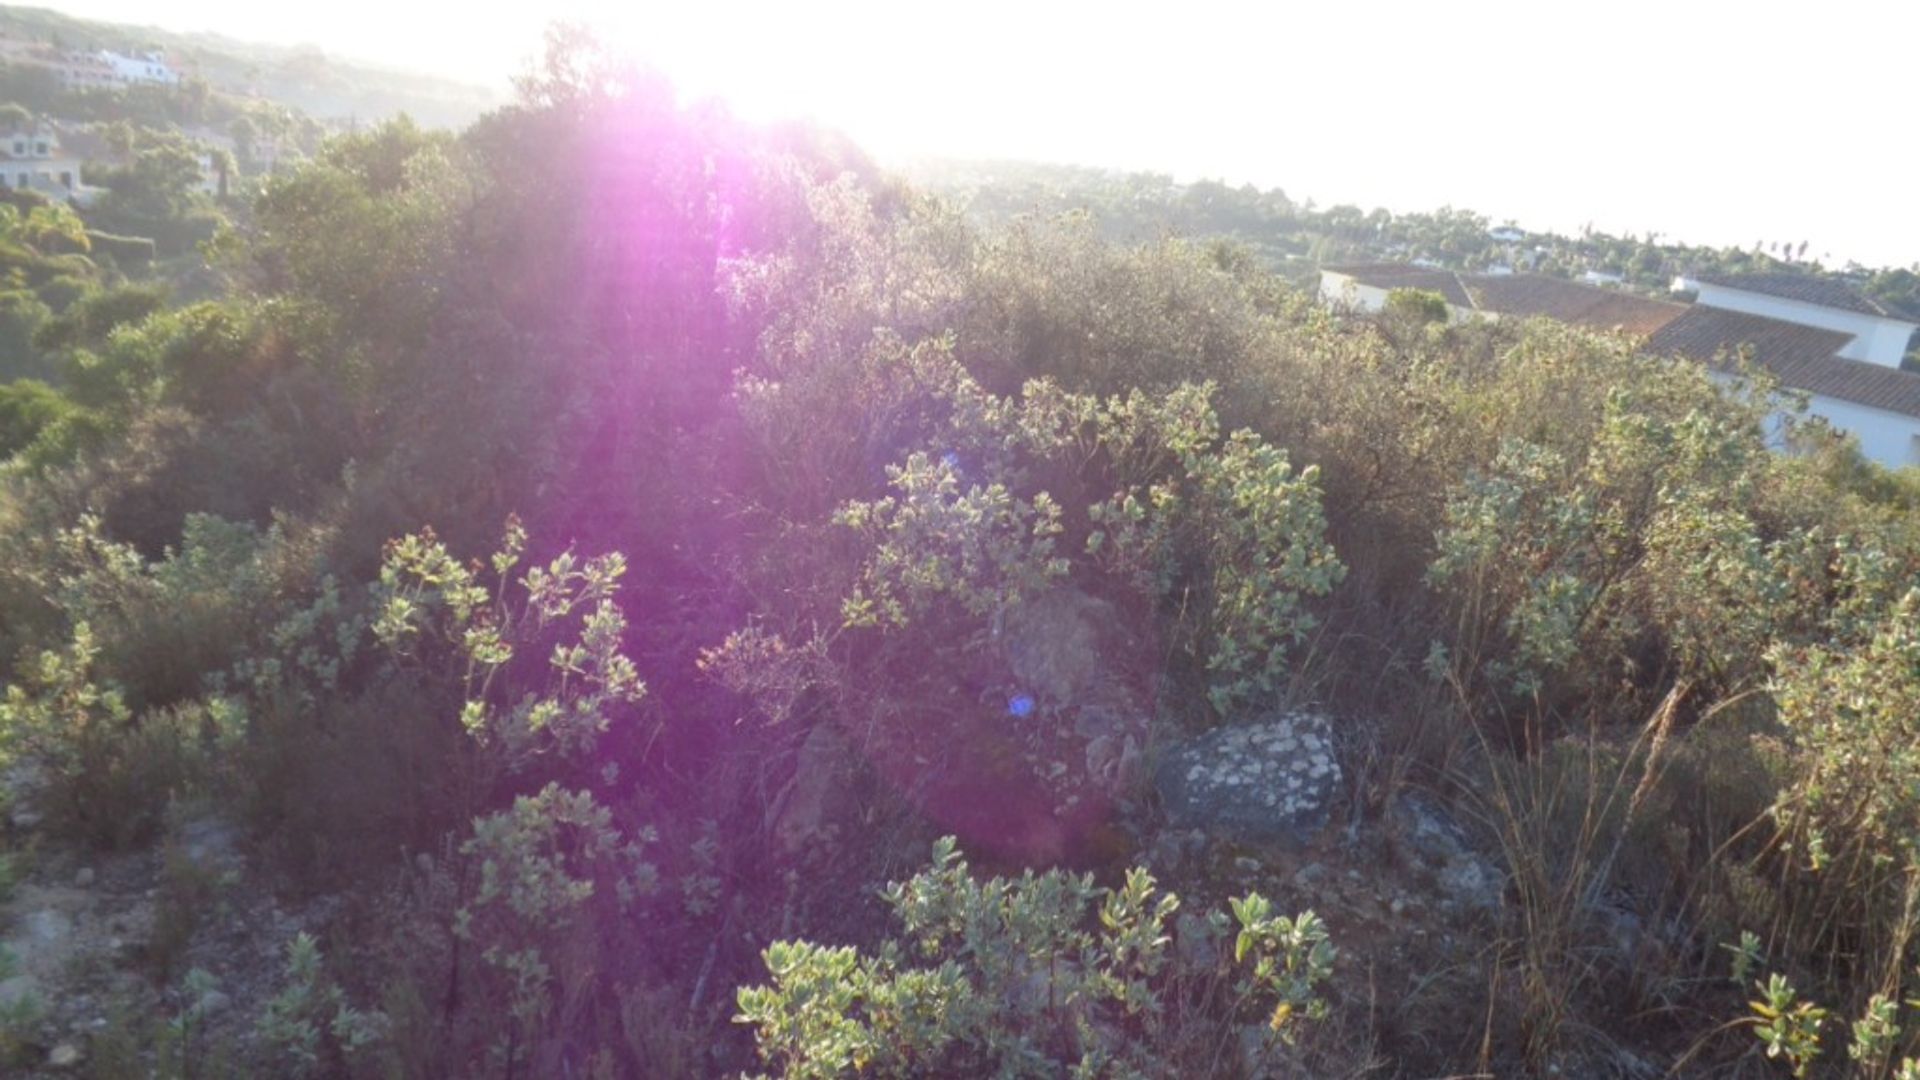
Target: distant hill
<point>324,87</point>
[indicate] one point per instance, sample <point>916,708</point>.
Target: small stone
<point>1247,865</point>
<point>1398,906</point>
<point>213,1003</point>
<point>64,1056</point>
<point>84,878</point>
<point>48,927</point>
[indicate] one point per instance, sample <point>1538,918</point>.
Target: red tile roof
<point>1571,302</point>
<point>1824,292</point>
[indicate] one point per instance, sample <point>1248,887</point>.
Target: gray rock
<point>83,878</point>
<point>1173,848</point>
<point>212,843</point>
<point>821,776</point>
<point>48,928</point>
<point>64,1056</point>
<point>1472,882</point>
<point>26,819</point>
<point>1273,780</point>
<point>212,1003</point>
<point>1053,644</point>
<point>1437,839</point>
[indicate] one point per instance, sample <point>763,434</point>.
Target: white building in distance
<point>1817,336</point>
<point>33,161</point>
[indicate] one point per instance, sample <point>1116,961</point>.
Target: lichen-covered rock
<point>1272,780</point>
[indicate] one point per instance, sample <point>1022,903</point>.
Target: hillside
<point>324,87</point>
<point>741,613</point>
<point>1291,237</point>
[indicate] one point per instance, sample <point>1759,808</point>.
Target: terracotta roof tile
<point>1825,292</point>
<point>1571,302</point>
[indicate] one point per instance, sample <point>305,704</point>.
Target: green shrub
<point>552,870</point>
<point>427,601</point>
<point>1038,976</point>
<point>112,775</point>
<point>28,408</point>
<point>1416,307</point>
<point>310,1027</point>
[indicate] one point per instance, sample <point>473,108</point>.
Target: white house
<point>1816,336</point>
<point>1876,335</point>
<point>1364,286</point>
<point>148,67</point>
<point>91,69</point>
<point>1499,293</point>
<point>33,159</point>
<point>1876,404</point>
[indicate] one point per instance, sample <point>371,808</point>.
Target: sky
<point>1710,122</point>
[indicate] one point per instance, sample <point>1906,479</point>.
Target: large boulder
<point>1271,780</point>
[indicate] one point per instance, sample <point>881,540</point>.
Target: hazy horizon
<point>1680,122</point>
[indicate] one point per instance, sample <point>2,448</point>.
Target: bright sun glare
<point>1691,121</point>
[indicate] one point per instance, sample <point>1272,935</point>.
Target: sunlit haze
<point>1708,123</point>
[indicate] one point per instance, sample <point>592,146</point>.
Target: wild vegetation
<point>723,616</point>
<point>1295,237</point>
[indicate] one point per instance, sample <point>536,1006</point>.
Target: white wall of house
<point>1876,339</point>
<point>62,171</point>
<point>1886,438</point>
<point>1340,290</point>
<point>138,69</point>
<point>1890,438</point>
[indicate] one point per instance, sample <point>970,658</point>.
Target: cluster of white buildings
<point>1816,335</point>
<point>90,69</point>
